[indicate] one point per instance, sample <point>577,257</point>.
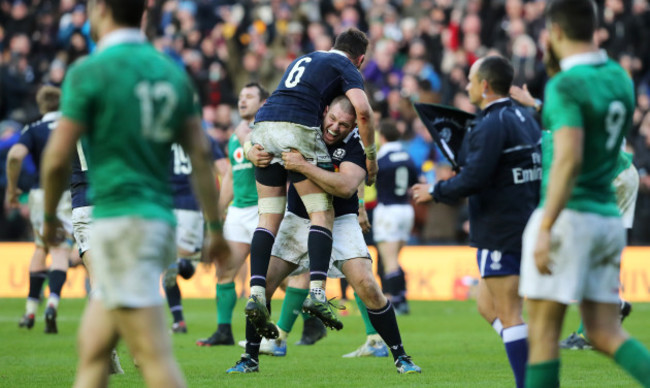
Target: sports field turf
<point>449,340</point>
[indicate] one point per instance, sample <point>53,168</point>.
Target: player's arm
<point>15,157</point>
<point>226,192</point>
<point>366,125</point>
<point>485,145</point>
<point>197,146</point>
<point>364,222</point>
<point>341,184</point>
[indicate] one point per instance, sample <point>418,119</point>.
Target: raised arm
<point>366,126</point>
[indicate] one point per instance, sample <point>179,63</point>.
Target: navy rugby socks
<point>384,321</point>
<point>319,246</point>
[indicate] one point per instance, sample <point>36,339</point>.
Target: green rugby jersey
<point>243,175</point>
<point>133,102</point>
<point>595,94</point>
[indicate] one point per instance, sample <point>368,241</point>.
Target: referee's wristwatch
<point>538,105</point>
<point>431,189</point>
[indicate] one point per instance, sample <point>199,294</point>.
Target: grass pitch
<point>449,340</point>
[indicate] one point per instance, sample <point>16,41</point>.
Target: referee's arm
<point>485,146</point>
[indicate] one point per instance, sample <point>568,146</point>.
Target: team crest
<point>239,155</point>
<point>445,134</point>
<point>339,153</point>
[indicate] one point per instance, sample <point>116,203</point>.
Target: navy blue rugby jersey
<point>397,173</point>
<point>180,170</point>
<point>348,150</point>
<point>309,84</point>
<point>35,135</point>
<point>79,178</point>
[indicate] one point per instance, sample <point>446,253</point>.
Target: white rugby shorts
<point>240,224</point>
<point>189,230</point>
<point>291,243</point>
<point>392,222</point>
<point>129,257</point>
<point>585,254</point>
<point>81,222</point>
<point>277,137</point>
<point>626,185</point>
<point>36,204</point>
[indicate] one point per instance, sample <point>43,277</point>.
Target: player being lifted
<point>573,242</point>
<point>129,115</point>
<point>290,119</point>
<point>189,229</point>
<point>349,255</point>
<point>394,216</point>
<point>238,186</point>
<point>32,141</point>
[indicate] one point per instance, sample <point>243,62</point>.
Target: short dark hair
<point>127,12</point>
<point>577,18</point>
<point>498,73</point>
<point>352,41</point>
<point>264,94</point>
<point>388,129</point>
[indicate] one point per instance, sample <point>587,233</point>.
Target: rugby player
<point>626,187</point>
<point>350,255</point>
<point>32,141</point>
<point>290,119</point>
<point>500,159</point>
<point>189,229</point>
<point>238,187</point>
<point>129,119</point>
<point>394,216</point>
<point>573,242</point>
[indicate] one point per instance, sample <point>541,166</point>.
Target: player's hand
<point>371,167</point>
<point>542,249</point>
<point>522,95</point>
<point>421,193</point>
<point>364,223</point>
<point>259,157</point>
<point>53,233</point>
<point>293,160</point>
<point>217,249</point>
<point>12,198</point>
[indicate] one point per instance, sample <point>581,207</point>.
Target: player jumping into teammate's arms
<point>349,254</point>
<point>32,141</point>
<point>129,118</point>
<point>573,242</point>
<point>290,119</point>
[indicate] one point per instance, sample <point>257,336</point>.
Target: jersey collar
<point>339,52</point>
<point>121,36</point>
<point>499,101</point>
<point>392,146</point>
<point>51,116</point>
<point>590,58</point>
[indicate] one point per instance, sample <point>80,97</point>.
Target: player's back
<point>600,99</point>
<point>396,174</point>
<point>35,135</point>
<point>309,84</point>
<point>136,100</point>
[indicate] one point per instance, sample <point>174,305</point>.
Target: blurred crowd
<point>420,50</point>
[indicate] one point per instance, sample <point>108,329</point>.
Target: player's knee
<point>271,205</point>
<point>369,291</point>
<point>318,202</point>
<point>169,277</point>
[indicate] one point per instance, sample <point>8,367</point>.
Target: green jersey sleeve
<point>78,94</point>
<point>561,107</point>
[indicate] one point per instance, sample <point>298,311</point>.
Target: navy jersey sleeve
<point>27,138</point>
<point>484,146</point>
<point>351,76</point>
<point>413,173</point>
<point>217,152</point>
